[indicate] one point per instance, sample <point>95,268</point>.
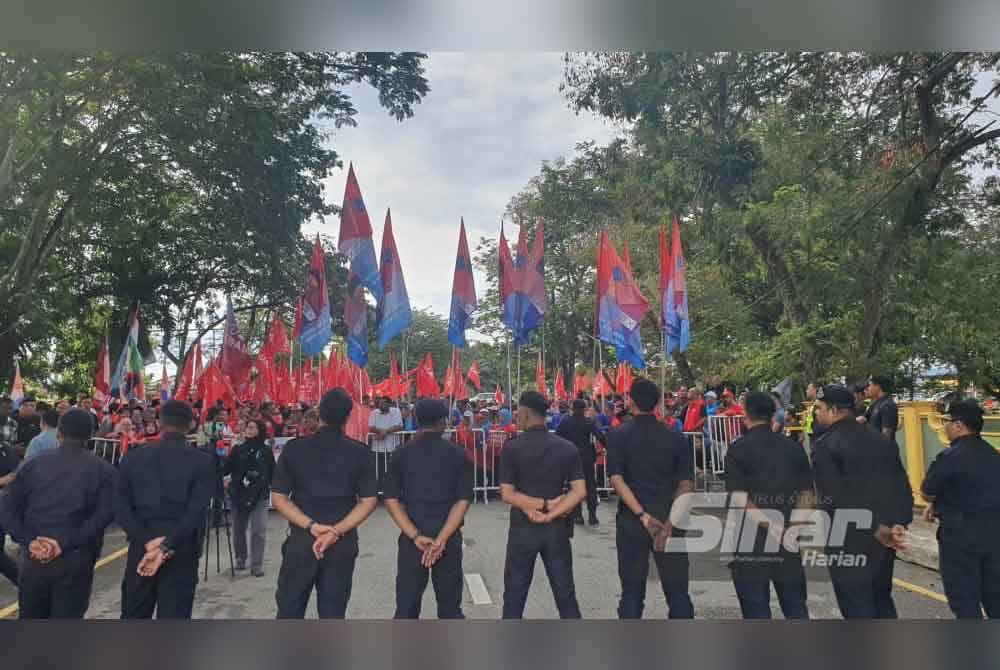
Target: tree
<point>168,178</point>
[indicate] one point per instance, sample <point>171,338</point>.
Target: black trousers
<point>169,593</point>
<point>634,546</point>
<point>411,580</point>
<point>300,572</point>
<point>59,589</point>
<point>588,460</point>
<point>970,571</point>
<point>753,576</point>
<point>864,591</point>
<point>8,566</point>
<point>524,545</point>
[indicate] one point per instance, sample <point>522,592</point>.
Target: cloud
<point>482,132</point>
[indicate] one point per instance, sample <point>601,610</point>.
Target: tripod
<point>217,516</point>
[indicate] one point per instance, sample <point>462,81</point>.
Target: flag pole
<point>518,369</point>
<point>510,385</point>
<point>663,373</point>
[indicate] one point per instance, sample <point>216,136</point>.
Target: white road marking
<point>477,588</point>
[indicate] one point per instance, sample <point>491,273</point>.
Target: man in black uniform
<point>161,500</point>
<point>768,473</point>
<point>428,489</point>
<point>579,430</point>
<point>963,487</point>
<point>650,466</point>
<point>534,470</point>
<point>57,507</point>
<point>858,469</point>
<point>324,484</point>
<point>882,414</point>
<point>8,465</point>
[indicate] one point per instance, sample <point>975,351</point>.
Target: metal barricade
<point>722,431</point>
<point>604,488</point>
<point>108,449</point>
<point>704,473</point>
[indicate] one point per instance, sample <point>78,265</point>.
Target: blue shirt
<point>40,443</point>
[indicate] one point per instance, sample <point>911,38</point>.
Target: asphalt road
<point>917,591</point>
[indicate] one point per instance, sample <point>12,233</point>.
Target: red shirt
<point>733,410</point>
<point>694,416</point>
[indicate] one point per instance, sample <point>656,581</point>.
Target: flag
<point>427,386</point>
<point>127,381</point>
<point>540,376</point>
<point>355,239</point>
<point>217,388</point>
<point>186,380</point>
<point>102,374</point>
<point>498,396</point>
<point>331,376</point>
<point>198,368</point>
<point>602,387</point>
<point>17,388</point>
<point>522,287</point>
<point>621,379</point>
<point>463,293</point>
<point>784,391</point>
<point>164,384</point>
<point>366,384</point>
<point>276,341</point>
<point>678,325</point>
<point>316,321</point>
<point>473,376</point>
<point>356,320</point>
<point>394,313</point>
<point>581,384</point>
<point>559,391</point>
<point>449,382</point>
<point>235,361</point>
<point>620,306</point>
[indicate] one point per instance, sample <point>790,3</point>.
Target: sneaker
<point>257,572</point>
<point>578,520</point>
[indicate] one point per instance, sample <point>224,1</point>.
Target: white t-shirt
<point>382,421</point>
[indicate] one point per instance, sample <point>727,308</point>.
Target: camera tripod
<point>217,516</point>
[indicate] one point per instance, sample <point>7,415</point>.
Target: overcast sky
<point>479,135</point>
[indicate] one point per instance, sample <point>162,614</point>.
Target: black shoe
<point>578,520</point>
<point>593,519</point>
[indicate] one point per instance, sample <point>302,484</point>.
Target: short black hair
<point>51,418</point>
<point>534,401</point>
<point>74,424</point>
<point>645,394</point>
<point>429,412</point>
<point>40,407</point>
<point>335,407</point>
<point>760,406</point>
<point>883,382</point>
<point>836,395</point>
<point>579,406</point>
<point>968,412</point>
<point>176,414</point>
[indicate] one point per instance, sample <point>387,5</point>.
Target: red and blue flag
<point>394,313</point>
<point>463,293</point>
<point>355,239</point>
<point>620,306</point>
<point>675,298</point>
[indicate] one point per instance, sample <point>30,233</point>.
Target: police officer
<point>650,465</point>
<point>428,489</point>
<point>882,414</point>
<point>768,473</point>
<point>161,500</point>
<point>324,484</point>
<point>579,430</point>
<point>57,507</point>
<point>8,466</point>
<point>534,470</point>
<point>963,487</point>
<point>859,469</point>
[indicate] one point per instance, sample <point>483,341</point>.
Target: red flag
<point>498,396</point>
<point>309,391</point>
<point>235,362</point>
<point>602,387</point>
<point>560,387</point>
<point>276,341</point>
<point>458,388</point>
<point>427,386</point>
<point>187,378</point>
<point>297,326</point>
<point>449,383</point>
<point>102,375</point>
<point>395,382</point>
<point>620,386</point>
<point>473,375</point>
<point>199,369</point>
<point>366,384</point>
<point>331,376</point>
<point>217,388</point>
<point>284,394</point>
<point>540,376</point>
<point>628,378</point>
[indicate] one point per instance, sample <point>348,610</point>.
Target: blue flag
<point>394,313</point>
<point>316,321</point>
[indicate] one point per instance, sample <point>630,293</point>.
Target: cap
<point>836,395</point>
<point>429,411</point>
<point>711,394</point>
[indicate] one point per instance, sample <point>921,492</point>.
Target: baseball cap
<point>711,394</point>
<point>836,395</point>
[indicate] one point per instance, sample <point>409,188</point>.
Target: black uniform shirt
<point>652,459</point>
<point>770,467</point>
<point>8,458</point>
<point>538,464</point>
<point>66,494</point>
<point>579,430</point>
<point>325,473</point>
<point>883,413</point>
<point>164,489</point>
<point>429,475</point>
<point>28,428</point>
<point>857,467</point>
<point>965,482</point>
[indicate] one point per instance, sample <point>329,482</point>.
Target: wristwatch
<point>309,527</point>
<point>167,551</point>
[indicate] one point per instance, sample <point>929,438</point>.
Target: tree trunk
<point>684,368</point>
